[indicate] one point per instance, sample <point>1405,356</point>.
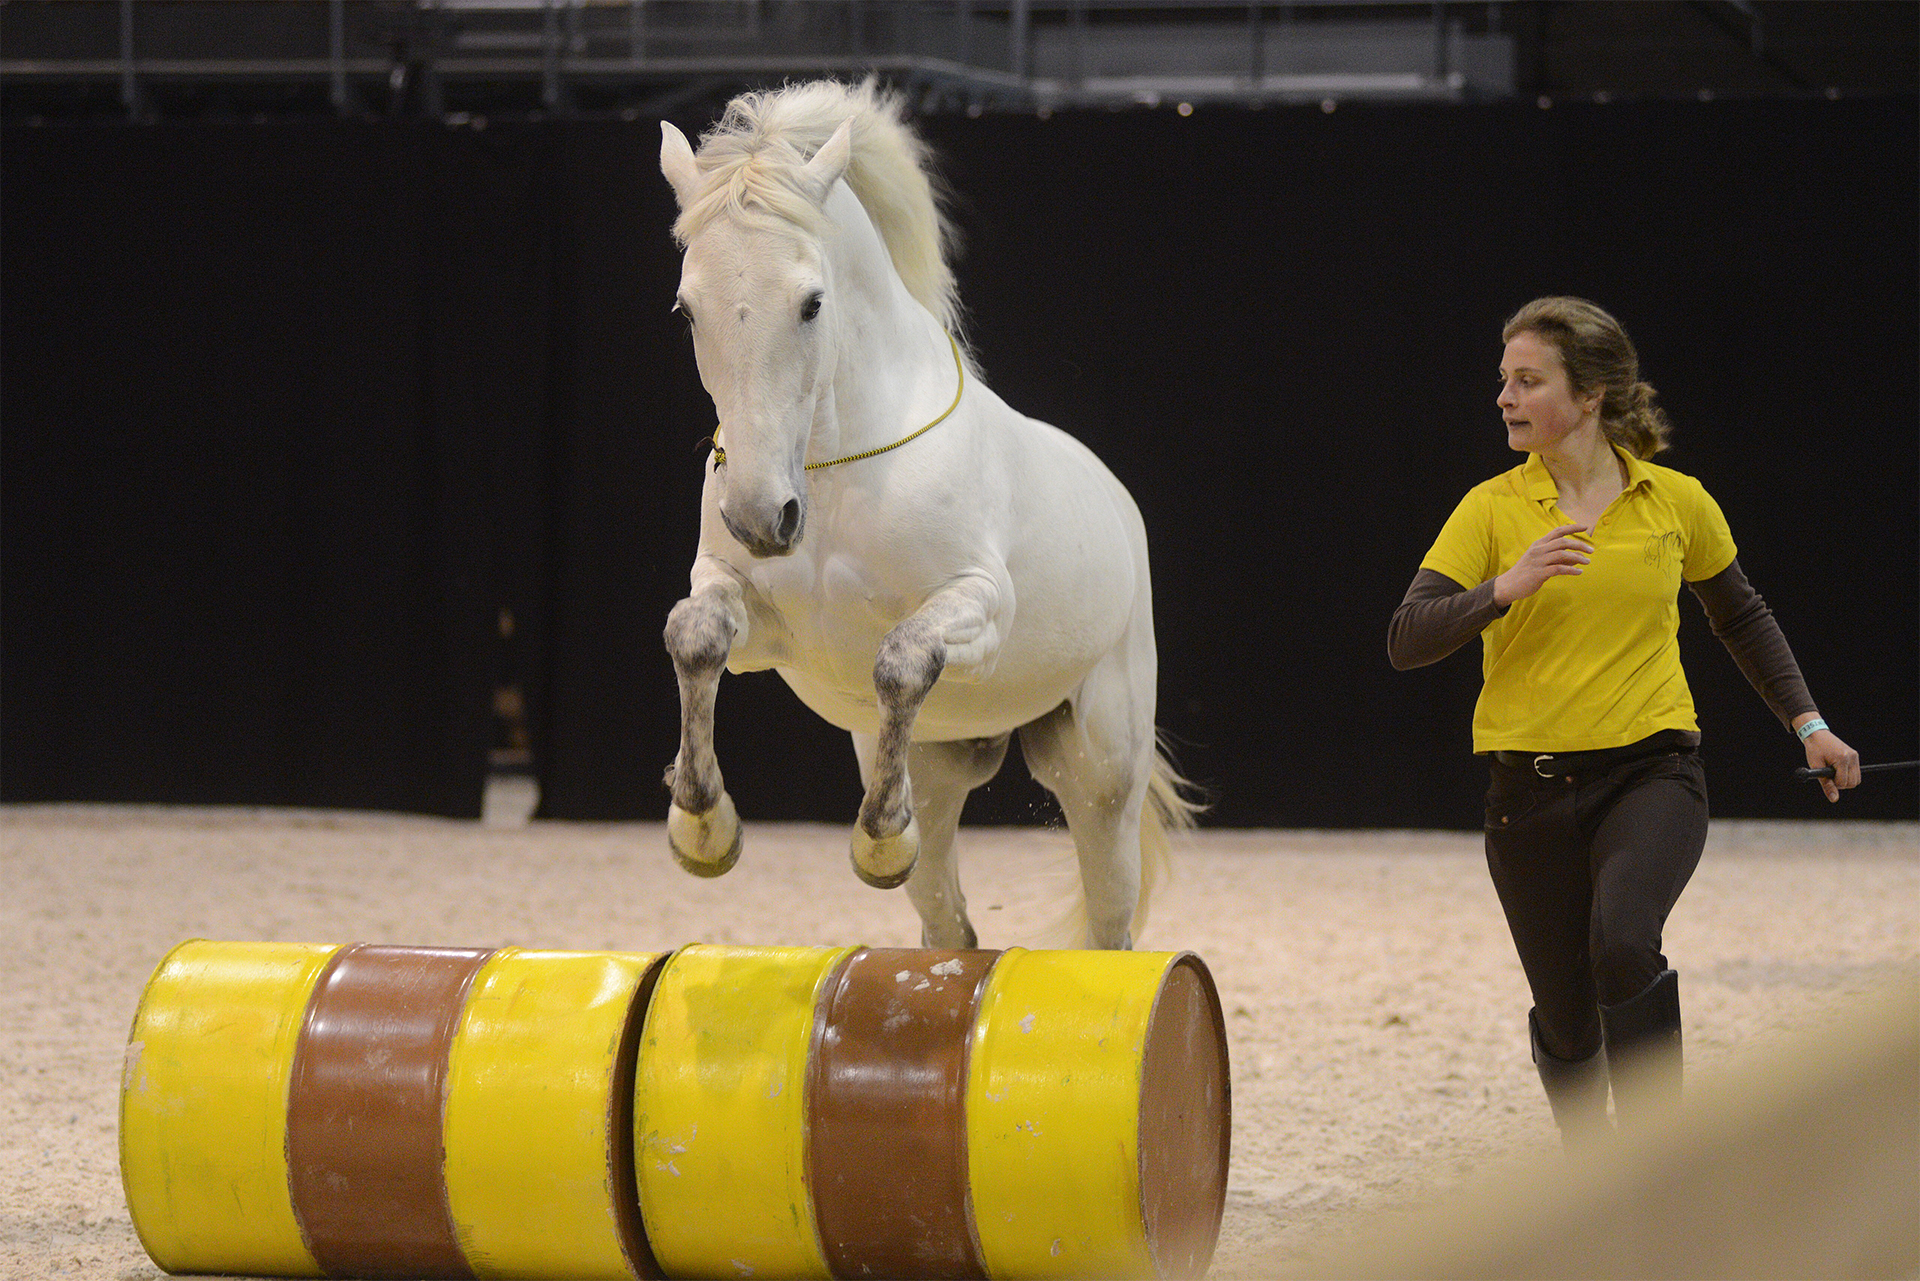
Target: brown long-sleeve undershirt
<point>1438,616</point>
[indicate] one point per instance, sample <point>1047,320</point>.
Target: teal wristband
<point>1811,728</point>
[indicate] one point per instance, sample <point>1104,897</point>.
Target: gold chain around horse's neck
<point>720,455</point>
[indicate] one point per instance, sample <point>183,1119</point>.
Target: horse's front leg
<point>702,827</point>
<point>959,628</point>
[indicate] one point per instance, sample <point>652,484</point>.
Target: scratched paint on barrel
<point>720,1111</point>
<point>1055,1173</point>
<point>203,1107</point>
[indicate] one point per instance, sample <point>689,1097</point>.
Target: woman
<point>1568,568</point>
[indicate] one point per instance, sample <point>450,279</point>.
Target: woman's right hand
<point>1556,552</point>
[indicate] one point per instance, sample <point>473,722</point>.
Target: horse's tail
<point>1172,806</point>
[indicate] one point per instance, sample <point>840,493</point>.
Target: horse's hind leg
<point>943,774</point>
<point>1095,754</point>
<point>702,827</point>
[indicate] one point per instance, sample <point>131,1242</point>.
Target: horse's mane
<point>751,162</point>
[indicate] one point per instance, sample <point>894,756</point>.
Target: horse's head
<point>754,288</point>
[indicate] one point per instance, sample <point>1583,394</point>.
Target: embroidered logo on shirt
<point>1662,549</point>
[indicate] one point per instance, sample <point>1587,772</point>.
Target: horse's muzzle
<point>775,537</point>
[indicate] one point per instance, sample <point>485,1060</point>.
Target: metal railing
<point>436,56</point>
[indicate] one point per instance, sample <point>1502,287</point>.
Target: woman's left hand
<point>1824,748</point>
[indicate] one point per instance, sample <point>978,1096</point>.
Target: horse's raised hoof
<point>886,863</point>
<point>706,844</point>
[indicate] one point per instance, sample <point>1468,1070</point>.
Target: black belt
<point>1568,764</point>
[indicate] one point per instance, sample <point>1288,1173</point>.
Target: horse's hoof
<point>705,844</point>
<point>888,862</point>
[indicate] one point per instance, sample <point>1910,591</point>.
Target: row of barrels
<point>360,1110</point>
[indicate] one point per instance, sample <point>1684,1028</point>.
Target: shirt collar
<point>1539,481</point>
<point>1638,473</point>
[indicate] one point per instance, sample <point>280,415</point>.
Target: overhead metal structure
<point>158,58</point>
<point>560,56</point>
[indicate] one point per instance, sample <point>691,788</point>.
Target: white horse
<point>927,568</point>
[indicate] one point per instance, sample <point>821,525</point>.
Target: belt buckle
<point>1538,760</point>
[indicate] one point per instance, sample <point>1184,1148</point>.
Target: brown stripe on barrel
<point>887,1113</point>
<point>364,1110</point>
<point>1186,1120</point>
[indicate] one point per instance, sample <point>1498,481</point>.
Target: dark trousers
<point>1587,868</point>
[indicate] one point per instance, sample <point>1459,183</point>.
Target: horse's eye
<point>680,310</point>
<point>810,308</point>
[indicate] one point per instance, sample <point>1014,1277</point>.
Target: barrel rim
<point>1193,963</point>
<point>133,1026</point>
<point>126,1071</point>
<point>622,1168</point>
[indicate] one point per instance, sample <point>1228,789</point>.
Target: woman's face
<point>1536,399</point>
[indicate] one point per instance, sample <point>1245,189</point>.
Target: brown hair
<point>1598,356</point>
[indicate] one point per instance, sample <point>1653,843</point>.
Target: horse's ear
<point>677,163</point>
<point>830,162</point>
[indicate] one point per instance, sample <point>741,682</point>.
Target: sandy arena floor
<point>1375,1010</point>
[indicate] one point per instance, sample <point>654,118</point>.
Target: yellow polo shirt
<point>1590,660</point>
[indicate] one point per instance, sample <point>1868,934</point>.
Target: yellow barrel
<point>915,1113</point>
<point>363,1110</point>
<point>1098,1116</point>
<point>720,1111</point>
<point>538,1132</point>
<point>359,1110</point>
<point>203,1107</point>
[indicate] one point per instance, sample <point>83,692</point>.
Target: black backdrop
<point>291,411</point>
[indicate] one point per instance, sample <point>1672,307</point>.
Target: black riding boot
<point>1643,1044</point>
<point>1576,1090</point>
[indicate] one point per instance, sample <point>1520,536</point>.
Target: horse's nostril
<point>789,525</point>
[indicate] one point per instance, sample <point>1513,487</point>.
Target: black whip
<point>1826,771</point>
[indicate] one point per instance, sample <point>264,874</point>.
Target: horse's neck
<point>894,358</point>
<point>894,380</point>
